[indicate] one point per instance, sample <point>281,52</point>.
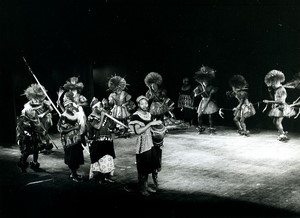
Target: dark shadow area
<point>57,196</point>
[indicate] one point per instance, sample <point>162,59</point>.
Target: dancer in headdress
<point>102,151</point>
<point>73,88</point>
<point>206,89</point>
<point>158,105</point>
<point>280,108</point>
<point>119,100</point>
<point>186,101</point>
<point>147,160</point>
<point>29,134</point>
<point>69,127</point>
<point>245,108</point>
<point>42,107</point>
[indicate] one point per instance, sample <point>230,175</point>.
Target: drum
<point>158,132</point>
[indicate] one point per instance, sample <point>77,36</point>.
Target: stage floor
<point>221,175</point>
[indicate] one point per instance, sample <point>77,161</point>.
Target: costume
<point>72,91</point>
<point>158,104</point>
<point>69,128</point>
<point>102,151</point>
<point>29,134</point>
<point>186,101</point>
<point>43,110</point>
<point>205,89</point>
<point>280,108</point>
<point>146,155</point>
<point>119,100</point>
<point>245,108</point>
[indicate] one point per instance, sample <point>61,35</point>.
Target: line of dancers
<point>146,117</point>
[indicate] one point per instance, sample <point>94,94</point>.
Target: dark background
<point>95,39</point>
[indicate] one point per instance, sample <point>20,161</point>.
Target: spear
<point>44,91</point>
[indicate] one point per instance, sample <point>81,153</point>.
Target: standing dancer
<point>207,105</point>
<point>75,87</point>
<point>146,157</point>
<point>102,151</point>
<point>280,108</point>
<point>186,101</point>
<point>69,127</point>
<point>158,106</point>
<point>29,134</point>
<point>245,108</point>
<point>43,109</point>
<point>119,100</point>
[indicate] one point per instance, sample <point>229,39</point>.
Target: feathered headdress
<point>274,75</point>
<point>34,91</point>
<point>153,77</point>
<point>204,73</point>
<point>73,83</point>
<point>116,83</point>
<point>238,81</point>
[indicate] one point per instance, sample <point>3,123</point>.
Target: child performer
<point>69,128</point>
<point>207,105</point>
<point>29,134</point>
<point>245,108</point>
<point>186,100</point>
<point>102,151</point>
<point>43,109</point>
<point>147,160</point>
<point>280,108</point>
<point>119,99</point>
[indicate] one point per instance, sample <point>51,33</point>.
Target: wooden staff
<point>44,91</point>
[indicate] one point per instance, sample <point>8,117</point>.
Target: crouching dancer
<point>147,160</point>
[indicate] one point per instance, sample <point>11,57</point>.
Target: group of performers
<point>145,117</point>
<point>240,90</point>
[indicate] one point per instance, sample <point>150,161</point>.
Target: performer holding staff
<point>101,143</point>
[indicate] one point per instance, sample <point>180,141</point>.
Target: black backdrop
<point>95,39</point>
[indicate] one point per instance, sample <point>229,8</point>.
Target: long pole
<point>117,121</point>
<point>44,91</point>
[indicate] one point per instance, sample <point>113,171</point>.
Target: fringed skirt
<point>209,109</point>
<point>281,111</point>
<point>246,111</point>
<point>120,112</point>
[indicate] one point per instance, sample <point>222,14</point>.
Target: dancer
<point>119,100</point>
<point>158,105</point>
<point>43,109</point>
<point>75,87</point>
<point>29,134</point>
<point>280,108</point>
<point>245,108</point>
<point>207,105</point>
<point>186,101</point>
<point>102,151</point>
<point>69,127</point>
<point>146,157</point>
